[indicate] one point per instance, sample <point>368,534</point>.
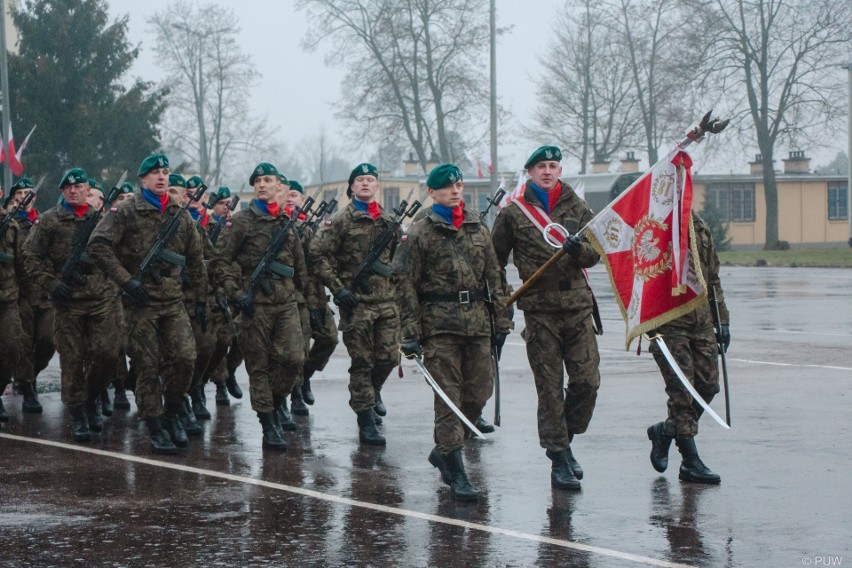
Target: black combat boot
<point>377,419</point>
<point>460,487</point>
<point>436,458</point>
<point>297,403</point>
<point>380,408</point>
<point>80,424</point>
<point>692,468</point>
<point>367,431</point>
<point>307,393</point>
<point>120,401</point>
<point>171,423</point>
<point>272,438</point>
<point>483,425</point>
<point>660,444</point>
<point>160,441</point>
<point>106,403</point>
<point>285,419</point>
<point>233,387</point>
<point>31,405</point>
<point>561,474</point>
<point>572,462</point>
<point>188,419</point>
<point>4,416</point>
<point>93,413</point>
<point>196,393</point>
<point>222,395</point>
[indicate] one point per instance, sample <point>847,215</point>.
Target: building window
<point>484,196</point>
<point>391,197</point>
<point>468,198</point>
<point>734,201</point>
<point>837,204</point>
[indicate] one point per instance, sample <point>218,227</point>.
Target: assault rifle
<point>312,219</point>
<point>150,265</point>
<point>492,202</point>
<point>220,224</point>
<point>22,204</point>
<point>717,325</point>
<point>70,273</point>
<point>371,264</point>
<point>268,264</point>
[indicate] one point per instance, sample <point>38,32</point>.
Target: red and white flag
<point>485,159</point>
<point>9,154</point>
<point>643,237</point>
<point>518,191</point>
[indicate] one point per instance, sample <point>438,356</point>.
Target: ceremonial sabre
<point>697,397</point>
<point>445,398</point>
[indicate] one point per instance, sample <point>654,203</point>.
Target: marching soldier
<point>36,313</point>
<point>557,309</point>
<point>86,323</point>
<point>160,341</point>
<point>694,344</point>
<point>13,278</point>
<point>274,355</point>
<point>448,272</point>
<point>369,316</point>
<point>121,401</point>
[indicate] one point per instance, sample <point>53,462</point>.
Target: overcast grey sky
<point>271,33</point>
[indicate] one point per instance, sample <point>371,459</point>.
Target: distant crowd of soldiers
<point>189,290</point>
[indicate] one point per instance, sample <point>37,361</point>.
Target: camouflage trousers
<point>11,346</point>
<point>160,342</point>
<point>371,335</point>
<point>305,321</point>
<point>274,351</point>
<point>205,345</point>
<point>37,339</point>
<point>324,343</point>
<point>88,350</point>
<point>463,368</point>
<point>554,340</point>
<point>121,370</point>
<point>697,355</point>
<point>223,330</point>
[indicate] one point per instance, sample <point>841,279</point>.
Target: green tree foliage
<point>69,79</point>
<point>713,217</point>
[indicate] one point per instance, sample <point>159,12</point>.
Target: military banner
<point>644,239</point>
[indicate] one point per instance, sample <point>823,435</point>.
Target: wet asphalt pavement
<point>786,466</point>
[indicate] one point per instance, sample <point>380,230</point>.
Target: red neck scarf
<point>289,211</point>
<point>80,210</point>
<point>273,208</point>
<point>374,210</point>
<point>205,218</point>
<point>32,214</point>
<point>553,195</point>
<point>458,215</point>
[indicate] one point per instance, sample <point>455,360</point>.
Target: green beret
<point>443,175</point>
<point>23,183</point>
<point>296,186</point>
<point>263,169</point>
<point>176,180</point>
<point>545,153</point>
<point>283,179</point>
<point>152,162</point>
<point>364,169</point>
<point>194,182</point>
<point>126,187</point>
<point>95,184</point>
<point>73,176</point>
<point>223,193</point>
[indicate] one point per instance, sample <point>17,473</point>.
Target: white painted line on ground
<point>775,364</point>
<point>353,503</point>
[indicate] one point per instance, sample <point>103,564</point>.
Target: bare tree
<point>585,101</point>
<point>776,60</point>
<point>416,68</point>
<point>209,80</point>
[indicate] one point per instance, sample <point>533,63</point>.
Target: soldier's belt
<point>382,269</point>
<point>460,297</point>
<point>281,270</point>
<point>171,257</point>
<point>6,258</point>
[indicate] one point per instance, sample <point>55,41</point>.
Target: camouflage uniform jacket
<point>125,235</point>
<point>49,246</point>
<point>190,293</point>
<point>563,286</point>
<point>240,249</point>
<point>314,282</point>
<point>13,274</point>
<point>438,261</point>
<point>701,319</point>
<point>343,242</point>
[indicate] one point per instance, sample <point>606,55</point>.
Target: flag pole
<point>4,86</point>
<point>714,126</point>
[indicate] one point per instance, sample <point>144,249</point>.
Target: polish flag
<point>14,156</point>
<point>485,159</point>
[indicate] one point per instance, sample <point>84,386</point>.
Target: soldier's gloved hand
<point>573,246</point>
<point>201,315</point>
<point>499,341</point>
<point>61,293</point>
<point>137,292</point>
<point>411,348</point>
<point>724,336</point>
<point>346,298</point>
<point>317,317</point>
<point>244,303</point>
